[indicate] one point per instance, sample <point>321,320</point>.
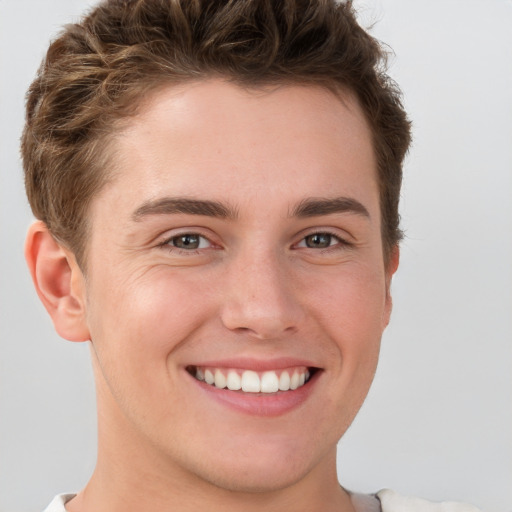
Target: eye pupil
<point>319,240</point>
<point>186,241</point>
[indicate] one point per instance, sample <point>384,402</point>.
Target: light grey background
<point>438,421</point>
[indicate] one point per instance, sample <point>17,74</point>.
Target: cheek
<point>137,328</point>
<point>351,300</point>
<point>144,319</point>
<point>349,306</point>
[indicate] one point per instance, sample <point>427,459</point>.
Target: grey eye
<point>187,241</point>
<point>318,240</point>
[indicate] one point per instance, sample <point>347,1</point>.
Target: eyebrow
<point>310,207</point>
<point>173,205</point>
<point>313,207</point>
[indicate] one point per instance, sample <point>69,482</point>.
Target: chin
<point>262,468</point>
<point>256,480</point>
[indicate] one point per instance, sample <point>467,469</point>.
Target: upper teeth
<point>254,382</point>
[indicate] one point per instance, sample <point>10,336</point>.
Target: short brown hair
<point>96,73</point>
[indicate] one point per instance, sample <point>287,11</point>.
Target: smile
<point>250,381</point>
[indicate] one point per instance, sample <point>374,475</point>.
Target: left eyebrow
<point>177,205</point>
<point>313,206</point>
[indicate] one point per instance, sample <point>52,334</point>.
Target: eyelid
<point>343,237</point>
<point>165,240</point>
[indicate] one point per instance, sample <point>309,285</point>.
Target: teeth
<point>220,380</point>
<point>294,382</point>
<point>253,382</point>
<point>234,381</point>
<point>250,382</point>
<point>208,377</point>
<point>284,381</point>
<point>269,383</point>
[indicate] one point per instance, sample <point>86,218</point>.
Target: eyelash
<point>168,243</point>
<point>340,243</point>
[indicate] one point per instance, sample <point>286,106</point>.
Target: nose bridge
<point>259,296</point>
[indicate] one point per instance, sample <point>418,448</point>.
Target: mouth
<point>250,381</point>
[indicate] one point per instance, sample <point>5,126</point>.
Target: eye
<point>319,241</point>
<point>189,241</point>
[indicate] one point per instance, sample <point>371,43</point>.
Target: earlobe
<point>394,260</point>
<point>59,282</point>
<point>391,268</point>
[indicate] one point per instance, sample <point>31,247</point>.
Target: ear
<point>391,268</point>
<point>59,282</point>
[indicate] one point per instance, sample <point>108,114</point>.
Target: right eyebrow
<point>316,206</point>
<point>173,205</point>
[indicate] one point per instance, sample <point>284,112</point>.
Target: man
<point>217,191</point>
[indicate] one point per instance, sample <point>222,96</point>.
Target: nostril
<point>261,306</point>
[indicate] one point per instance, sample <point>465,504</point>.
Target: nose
<point>260,297</point>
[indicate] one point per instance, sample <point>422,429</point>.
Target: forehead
<point>216,138</point>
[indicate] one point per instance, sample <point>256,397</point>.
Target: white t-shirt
<point>383,501</point>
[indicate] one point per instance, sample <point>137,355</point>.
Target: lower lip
<point>260,404</point>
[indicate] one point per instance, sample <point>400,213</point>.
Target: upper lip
<point>256,364</point>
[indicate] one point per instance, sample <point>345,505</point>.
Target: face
<point>236,290</point>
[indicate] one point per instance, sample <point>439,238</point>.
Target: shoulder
<point>391,501</point>
<point>58,503</point>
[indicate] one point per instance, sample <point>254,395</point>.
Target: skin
<point>256,287</point>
